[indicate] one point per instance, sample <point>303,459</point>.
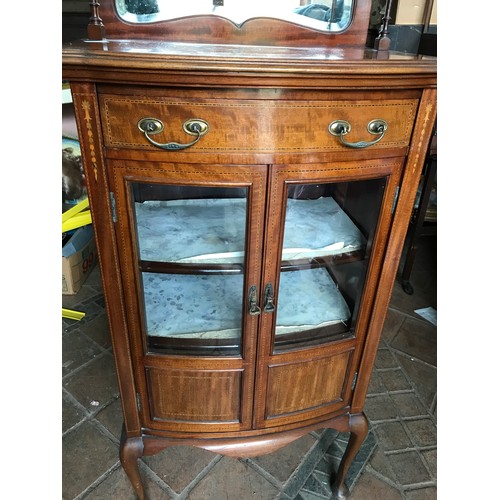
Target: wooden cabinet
<point>250,209</point>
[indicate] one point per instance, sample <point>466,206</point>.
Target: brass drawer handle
<point>152,126</point>
<point>340,128</point>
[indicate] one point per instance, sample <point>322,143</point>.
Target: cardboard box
<point>79,256</point>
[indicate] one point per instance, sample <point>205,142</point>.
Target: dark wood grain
<point>358,427</point>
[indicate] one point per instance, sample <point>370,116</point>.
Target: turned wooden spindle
<point>383,42</point>
<point>95,28</point>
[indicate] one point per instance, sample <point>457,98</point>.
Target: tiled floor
<point>397,460</point>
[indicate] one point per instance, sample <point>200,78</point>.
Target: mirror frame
<point>105,23</point>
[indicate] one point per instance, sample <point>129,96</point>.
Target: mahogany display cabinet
<point>251,177</point>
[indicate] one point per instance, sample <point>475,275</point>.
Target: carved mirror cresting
<point>259,22</point>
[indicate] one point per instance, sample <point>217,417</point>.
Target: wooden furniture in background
<point>260,178</point>
<point>423,221</point>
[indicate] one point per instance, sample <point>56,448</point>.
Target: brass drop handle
<point>253,308</point>
<point>340,128</point>
<point>269,299</point>
<point>152,126</point>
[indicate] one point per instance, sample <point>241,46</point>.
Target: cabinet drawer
<point>254,126</point>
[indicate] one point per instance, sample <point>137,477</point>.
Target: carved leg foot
<point>131,449</point>
<point>358,426</point>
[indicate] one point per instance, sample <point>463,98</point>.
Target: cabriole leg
<point>358,427</point>
<point>131,449</point>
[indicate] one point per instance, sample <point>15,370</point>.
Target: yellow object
<point>70,314</point>
<point>76,216</point>
<point>75,210</point>
<point>77,220</point>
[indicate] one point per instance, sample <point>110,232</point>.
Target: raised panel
<point>316,383</point>
<point>194,395</point>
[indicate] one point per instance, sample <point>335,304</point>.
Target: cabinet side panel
<point>421,136</point>
<point>315,383</point>
<point>194,396</point>
<point>89,133</point>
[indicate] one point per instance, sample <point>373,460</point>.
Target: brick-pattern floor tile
<point>380,407</point>
<point>407,405</point>
<point>430,457</point>
<point>422,432</point>
<point>233,479</point>
<point>179,465</point>
<point>87,455</point>
<point>117,486</point>
<point>393,436</point>
<point>418,339</point>
<point>112,418</point>
<point>408,468</point>
<point>72,414</point>
<point>95,384</point>
<point>423,377</point>
<point>98,331</point>
<point>283,462</point>
<point>370,487</point>
<point>422,494</point>
<point>394,380</point>
<point>77,350</point>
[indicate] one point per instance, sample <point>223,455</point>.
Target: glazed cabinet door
<point>324,223</point>
<point>191,240</point>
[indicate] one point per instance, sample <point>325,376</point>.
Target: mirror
<point>323,15</point>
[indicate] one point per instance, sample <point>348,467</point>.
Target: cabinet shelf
<point>324,261</point>
<point>234,268</point>
<point>205,310</point>
<point>211,231</point>
<point>189,268</point>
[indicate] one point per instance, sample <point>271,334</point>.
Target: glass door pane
<point>327,240</point>
<point>191,248</point>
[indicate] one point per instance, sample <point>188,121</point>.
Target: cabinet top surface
<point>197,56</point>
<point>211,52</point>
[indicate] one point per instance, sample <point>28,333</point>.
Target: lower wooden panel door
<point>301,389</point>
<point>212,397</point>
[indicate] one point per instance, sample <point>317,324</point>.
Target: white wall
<point>412,12</point>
